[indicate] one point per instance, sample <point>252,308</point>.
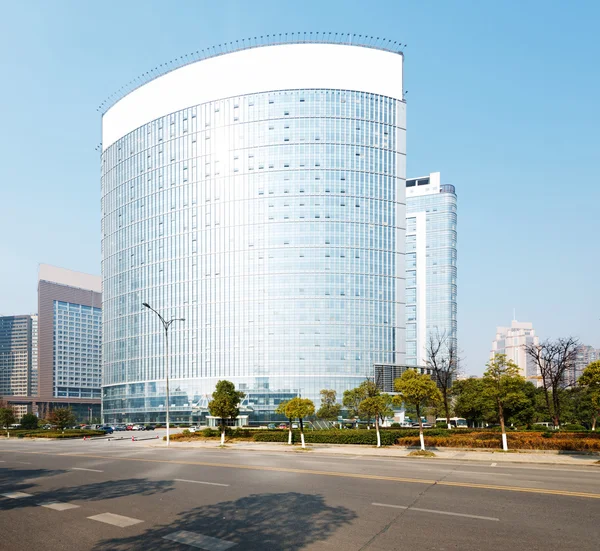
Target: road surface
<point>121,495</point>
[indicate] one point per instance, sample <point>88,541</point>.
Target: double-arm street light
<point>166,325</point>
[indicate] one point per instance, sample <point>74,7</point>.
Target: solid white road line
<point>58,506</point>
<point>16,495</point>
<point>23,462</point>
<point>434,511</point>
<point>82,469</point>
<point>116,520</point>
<point>200,541</point>
<point>199,482</point>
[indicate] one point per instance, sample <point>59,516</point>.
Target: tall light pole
<point>166,325</point>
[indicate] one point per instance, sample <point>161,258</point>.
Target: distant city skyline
<point>486,106</point>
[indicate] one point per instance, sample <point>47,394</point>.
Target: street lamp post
<point>166,324</point>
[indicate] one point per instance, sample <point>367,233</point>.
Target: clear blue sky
<point>503,101</point>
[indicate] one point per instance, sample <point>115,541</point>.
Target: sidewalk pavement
<point>541,457</point>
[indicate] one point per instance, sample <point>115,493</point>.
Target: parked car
<point>106,429</point>
<point>196,428</point>
<point>425,425</point>
<point>282,426</point>
<point>120,428</point>
<point>137,427</point>
<point>149,427</point>
<point>128,427</point>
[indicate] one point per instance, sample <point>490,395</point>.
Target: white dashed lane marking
<point>58,506</point>
<point>435,512</point>
<point>16,495</point>
<point>200,541</point>
<point>82,469</point>
<point>200,482</point>
<point>116,520</point>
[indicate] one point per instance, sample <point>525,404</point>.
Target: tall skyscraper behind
<point>69,340</point>
<point>260,195</point>
<point>512,342</point>
<point>16,358</point>
<point>431,253</point>
<point>585,355</point>
<point>52,359</point>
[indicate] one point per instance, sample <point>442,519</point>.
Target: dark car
<point>106,429</point>
<point>149,427</point>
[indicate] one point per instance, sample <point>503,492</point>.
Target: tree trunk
<point>420,428</point>
<point>447,408</point>
<point>377,429</point>
<point>502,427</point>
<point>302,433</point>
<point>222,434</point>
<point>290,433</point>
<point>594,418</point>
<point>547,396</point>
<point>556,404</point>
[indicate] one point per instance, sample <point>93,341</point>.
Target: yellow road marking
<point>336,474</point>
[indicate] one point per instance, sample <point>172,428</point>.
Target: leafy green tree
<point>299,408</point>
<point>469,401</point>
<point>351,401</point>
<point>7,418</point>
<point>419,391</point>
<point>225,404</point>
<point>329,409</point>
<point>29,421</point>
<point>282,411</point>
<point>62,417</point>
<point>522,411</point>
<point>590,379</point>
<point>378,407</point>
<point>503,384</point>
<point>352,398</point>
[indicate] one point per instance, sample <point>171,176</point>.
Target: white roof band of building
<point>255,70</point>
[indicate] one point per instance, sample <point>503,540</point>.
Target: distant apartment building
<point>59,350</point>
<point>585,356</point>
<point>512,341</point>
<point>431,253</point>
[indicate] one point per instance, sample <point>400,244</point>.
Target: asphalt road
<point>121,495</point>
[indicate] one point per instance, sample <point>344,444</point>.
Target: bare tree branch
<point>553,360</point>
<point>442,359</point>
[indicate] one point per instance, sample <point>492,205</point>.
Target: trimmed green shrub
<point>41,433</point>
<point>570,427</point>
<point>29,421</point>
<point>367,437</point>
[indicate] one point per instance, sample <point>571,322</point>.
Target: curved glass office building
<point>260,195</point>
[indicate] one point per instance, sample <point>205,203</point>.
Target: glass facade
<point>76,350</point>
<point>430,265</point>
<point>271,222</point>
<point>15,355</point>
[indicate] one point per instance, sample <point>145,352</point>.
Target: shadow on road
<point>263,522</point>
<point>89,492</point>
<point>19,480</point>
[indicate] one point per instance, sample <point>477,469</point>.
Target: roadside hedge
<point>366,437</point>
<point>516,440</point>
<point>41,433</point>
